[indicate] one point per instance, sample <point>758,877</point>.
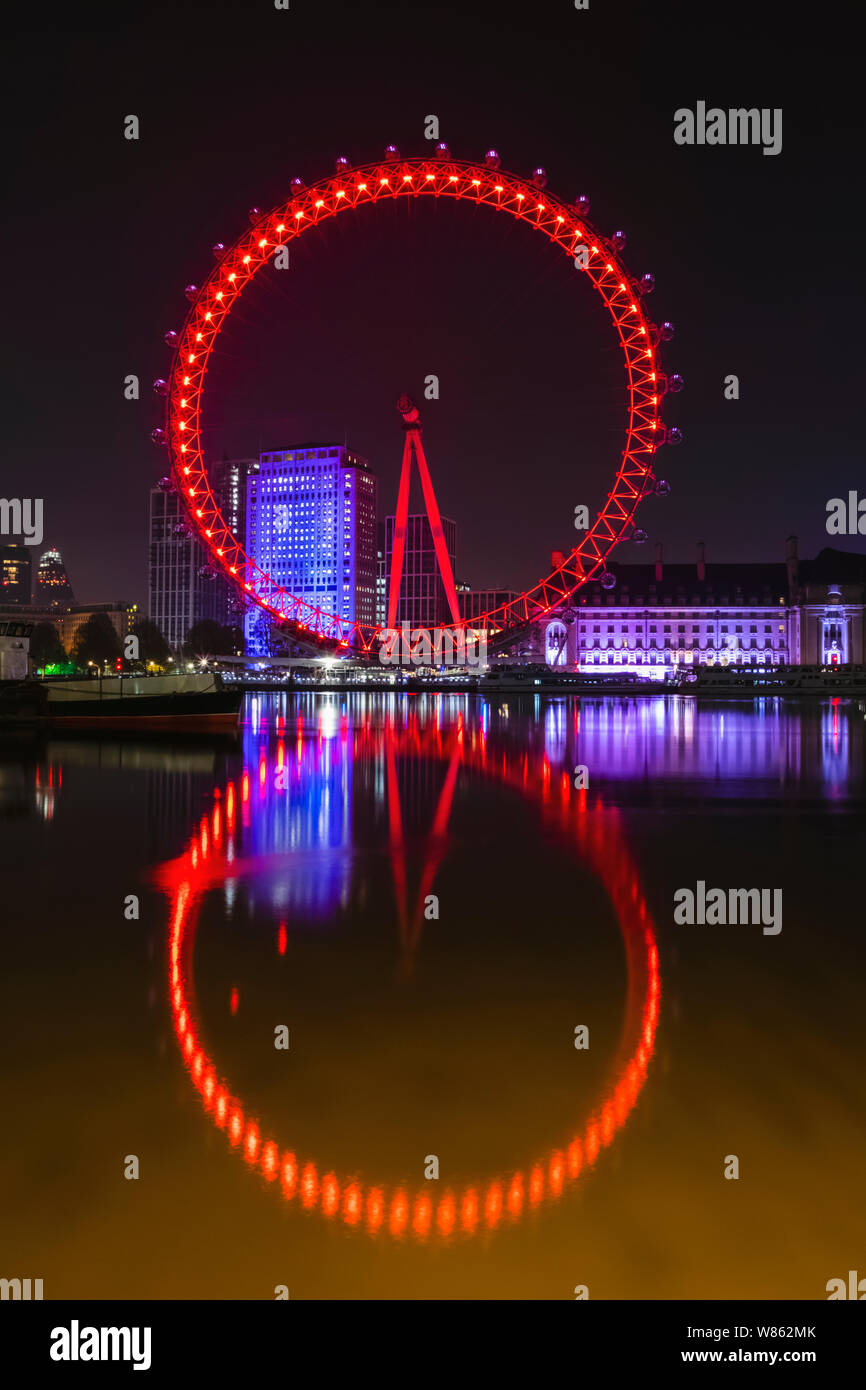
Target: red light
<point>536,1186</point>
<point>375,1209</point>
<point>575,1158</point>
<point>422,1217</point>
<point>352,1204</point>
<point>236,1125</point>
<point>515,1195</point>
<point>469,1211</point>
<point>446,1215</point>
<point>556,1174</point>
<point>493,1204</point>
<point>309,1186</point>
<point>399,1214</point>
<point>251,1143</point>
<point>289,1175</point>
<point>330,1195</point>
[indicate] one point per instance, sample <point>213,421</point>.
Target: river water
<point>385,1000</point>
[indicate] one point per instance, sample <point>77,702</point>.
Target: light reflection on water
<point>319,840</point>
<point>297,796</point>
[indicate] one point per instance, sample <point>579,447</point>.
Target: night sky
<point>755,259</point>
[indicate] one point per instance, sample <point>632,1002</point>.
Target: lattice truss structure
<point>350,190</point>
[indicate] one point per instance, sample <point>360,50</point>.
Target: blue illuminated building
<point>311,525</point>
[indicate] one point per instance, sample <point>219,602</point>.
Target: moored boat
<point>748,681</point>
<point>188,703</point>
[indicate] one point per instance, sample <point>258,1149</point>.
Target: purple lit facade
<point>660,617</point>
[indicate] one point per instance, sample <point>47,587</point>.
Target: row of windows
<point>667,643</point>
<point>297,455</point>
<point>696,627</point>
<point>622,659</point>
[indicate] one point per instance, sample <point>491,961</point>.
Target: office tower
<point>381,576</point>
<point>52,582</point>
<point>311,525</point>
<point>423,602</point>
<point>185,587</point>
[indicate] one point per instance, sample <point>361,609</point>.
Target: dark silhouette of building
<point>15,574</point>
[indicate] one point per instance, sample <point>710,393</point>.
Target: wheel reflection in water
<point>595,833</point>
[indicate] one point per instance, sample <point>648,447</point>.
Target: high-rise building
<point>423,601</point>
<point>185,588</point>
<point>228,480</point>
<point>311,525</point>
<point>381,576</point>
<point>15,570</point>
<point>52,582</point>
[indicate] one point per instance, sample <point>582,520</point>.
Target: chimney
<point>702,561</point>
<point>659,567</point>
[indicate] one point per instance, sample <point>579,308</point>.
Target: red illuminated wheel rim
<point>477,184</point>
<point>476,1207</point>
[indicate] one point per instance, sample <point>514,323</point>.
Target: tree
<point>97,641</point>
<point>46,648</point>
<point>209,638</point>
<point>152,646</point>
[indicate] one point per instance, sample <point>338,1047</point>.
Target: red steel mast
<point>412,440</point>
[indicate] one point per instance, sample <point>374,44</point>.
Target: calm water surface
<point>415,890</point>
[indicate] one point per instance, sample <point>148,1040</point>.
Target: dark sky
<point>756,261</point>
